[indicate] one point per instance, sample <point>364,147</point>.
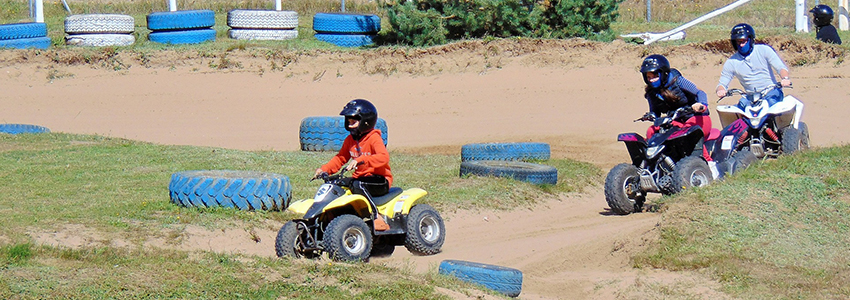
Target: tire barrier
<point>22,128</point>
<point>346,30</point>
<point>504,280</point>
<point>245,190</point>
<point>24,35</point>
<point>100,30</point>
<point>328,133</point>
<point>262,24</point>
<point>181,27</point>
<point>505,151</point>
<point>522,171</point>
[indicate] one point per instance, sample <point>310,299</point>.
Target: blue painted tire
<point>504,280</point>
<point>22,128</point>
<point>522,171</point>
<point>245,190</point>
<point>196,36</point>
<point>505,151</point>
<point>179,20</point>
<point>22,31</point>
<point>38,43</point>
<point>328,133</point>
<point>347,40</point>
<point>346,23</point>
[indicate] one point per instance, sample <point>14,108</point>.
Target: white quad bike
<point>765,131</point>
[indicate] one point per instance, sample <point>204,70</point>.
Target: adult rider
<point>753,65</point>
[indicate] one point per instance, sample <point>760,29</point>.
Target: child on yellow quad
<point>346,213</point>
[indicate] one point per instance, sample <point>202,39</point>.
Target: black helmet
<point>823,15</point>
<point>363,110</point>
<point>742,31</point>
<point>655,63</point>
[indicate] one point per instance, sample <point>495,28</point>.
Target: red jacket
<point>370,153</point>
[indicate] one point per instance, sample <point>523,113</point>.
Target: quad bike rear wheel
<point>425,230</point>
<point>347,238</point>
<point>622,189</point>
<point>290,242</point>
<point>690,172</point>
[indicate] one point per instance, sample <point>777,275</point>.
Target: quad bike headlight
<point>652,152</point>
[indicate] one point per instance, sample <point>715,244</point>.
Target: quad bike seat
<point>381,200</point>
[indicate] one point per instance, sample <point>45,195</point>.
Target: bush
<point>432,22</point>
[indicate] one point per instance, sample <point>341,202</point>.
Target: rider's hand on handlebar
<point>721,92</point>
<point>786,82</point>
<point>698,107</point>
<point>351,165</point>
<point>649,116</point>
<point>318,174</point>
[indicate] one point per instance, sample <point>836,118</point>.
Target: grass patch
<point>117,189</point>
<point>780,229</point>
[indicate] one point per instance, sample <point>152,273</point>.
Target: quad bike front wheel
<point>425,230</point>
<point>290,242</point>
<point>622,189</point>
<point>690,172</point>
<point>347,238</point>
<point>795,139</point>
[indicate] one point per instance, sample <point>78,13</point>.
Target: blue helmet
<point>743,31</point>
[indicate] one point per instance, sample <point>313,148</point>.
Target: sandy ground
<point>576,96</point>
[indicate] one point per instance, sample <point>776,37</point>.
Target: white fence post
<point>172,5</point>
<point>277,6</point>
<point>37,10</point>
<point>843,22</point>
<point>802,20</point>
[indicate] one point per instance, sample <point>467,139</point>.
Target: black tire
<point>263,34</point>
<point>196,36</point>
<point>100,40</point>
<point>22,128</point>
<point>100,24</point>
<point>328,133</point>
<point>742,160</point>
<point>795,139</point>
<point>346,40</point>
<point>262,19</point>
<point>245,190</point>
<point>690,172</point>
<point>348,238</point>
<point>181,20</point>
<point>425,229</point>
<point>346,23</point>
<point>504,280</point>
<point>27,43</point>
<point>522,171</point>
<point>382,250</point>
<point>505,151</point>
<point>289,242</point>
<point>622,189</point>
<point>22,31</point>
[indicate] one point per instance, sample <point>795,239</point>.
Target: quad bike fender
<point>787,112</point>
<point>358,202</point>
<point>686,131</point>
<point>402,203</point>
<point>728,114</point>
<point>301,206</point>
<point>728,141</point>
<point>635,143</point>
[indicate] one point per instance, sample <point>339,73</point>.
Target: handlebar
<point>678,113</point>
<point>762,93</point>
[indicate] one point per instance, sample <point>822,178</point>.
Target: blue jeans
<point>772,98</point>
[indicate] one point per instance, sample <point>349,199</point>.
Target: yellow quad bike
<point>341,224</point>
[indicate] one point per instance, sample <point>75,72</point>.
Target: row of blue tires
<point>24,35</point>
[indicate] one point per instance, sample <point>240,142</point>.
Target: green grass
<point>117,188</point>
<point>780,229</point>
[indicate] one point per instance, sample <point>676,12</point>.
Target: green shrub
<point>432,22</point>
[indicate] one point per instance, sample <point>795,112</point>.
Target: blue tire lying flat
<point>346,23</point>
<point>505,151</point>
<point>195,36</point>
<point>522,171</point>
<point>22,128</point>
<point>347,40</point>
<point>327,133</point>
<point>37,43</point>
<point>245,190</point>
<point>22,31</point>
<point>504,280</point>
<point>181,19</point>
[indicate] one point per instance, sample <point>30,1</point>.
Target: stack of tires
<point>24,35</point>
<point>262,24</point>
<point>508,160</point>
<point>346,30</point>
<point>328,133</point>
<point>181,27</point>
<point>100,30</point>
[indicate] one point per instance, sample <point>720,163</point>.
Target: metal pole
<point>343,5</point>
<point>802,21</point>
<point>172,5</point>
<point>39,11</point>
<point>649,10</point>
<point>277,6</point>
<point>697,21</point>
<point>843,22</point>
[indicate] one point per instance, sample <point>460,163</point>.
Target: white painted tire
<point>263,34</point>
<point>262,19</point>
<point>100,40</point>
<point>99,23</point>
